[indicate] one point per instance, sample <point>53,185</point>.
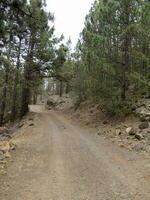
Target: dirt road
<point>58,160</point>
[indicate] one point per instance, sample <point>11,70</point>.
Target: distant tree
<point>58,65</point>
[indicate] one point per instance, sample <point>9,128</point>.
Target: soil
<point>113,128</point>
<point>57,159</point>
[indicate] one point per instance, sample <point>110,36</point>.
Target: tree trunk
<point>57,88</point>
<point>26,93</point>
<point>4,94</point>
<point>15,93</point>
<point>67,88</point>
<point>34,98</point>
<point>61,89</point>
<point>4,91</point>
<point>126,61</point>
<point>25,100</point>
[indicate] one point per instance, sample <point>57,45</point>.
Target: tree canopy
<point>114,53</point>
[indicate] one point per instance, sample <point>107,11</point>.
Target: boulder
<point>130,131</point>
<point>143,111</point>
<point>144,118</point>
<point>139,147</point>
<point>51,103</point>
<point>4,146</point>
<point>139,136</point>
<point>144,125</point>
<point>147,118</point>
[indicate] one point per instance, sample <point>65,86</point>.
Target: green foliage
<point>112,56</point>
<point>27,51</point>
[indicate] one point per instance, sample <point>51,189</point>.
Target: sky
<point>69,17</point>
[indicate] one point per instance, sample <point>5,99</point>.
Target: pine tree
<point>113,53</point>
<point>38,32</point>
<point>27,51</point>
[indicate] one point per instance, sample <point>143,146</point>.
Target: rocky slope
<point>132,132</point>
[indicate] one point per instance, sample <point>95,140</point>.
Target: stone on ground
<point>130,131</point>
<point>4,146</point>
<point>144,125</point>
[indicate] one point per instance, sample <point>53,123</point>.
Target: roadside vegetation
<point>114,55</point>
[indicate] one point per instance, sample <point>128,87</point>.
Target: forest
<point>110,64</point>
<point>114,54</point>
<point>74,99</point>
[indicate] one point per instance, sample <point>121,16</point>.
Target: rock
<point>105,122</point>
<point>125,126</point>
<point>118,132</point>
<point>147,118</point>
<point>99,133</point>
<point>4,146</point>
<point>7,155</point>
<point>3,130</point>
<point>2,157</point>
<point>144,125</point>
<point>30,119</point>
<point>143,111</point>
<point>32,124</point>
<point>122,145</point>
<point>7,136</point>
<point>13,146</point>
<point>139,136</point>
<point>147,148</point>
<point>139,147</point>
<point>87,123</point>
<point>91,111</point>
<point>130,131</point>
<point>21,125</point>
<point>134,107</point>
<point>144,118</point>
<point>51,103</point>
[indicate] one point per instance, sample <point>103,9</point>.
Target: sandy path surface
<point>58,160</point>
